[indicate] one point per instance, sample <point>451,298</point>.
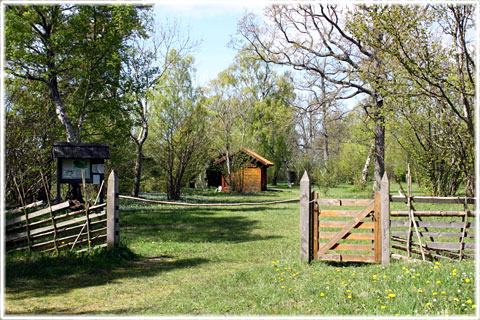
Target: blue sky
<point>214,23</point>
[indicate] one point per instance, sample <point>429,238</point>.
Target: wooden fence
<point>364,232</point>
<point>432,234</point>
<point>58,227</point>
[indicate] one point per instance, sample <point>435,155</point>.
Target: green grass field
<point>229,261</point>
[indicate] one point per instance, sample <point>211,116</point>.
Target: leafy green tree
<point>63,62</point>
<point>147,60</point>
<point>179,124</point>
<point>315,39</point>
<point>75,52</point>
<point>431,88</point>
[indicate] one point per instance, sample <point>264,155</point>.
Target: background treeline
<point>342,92</point>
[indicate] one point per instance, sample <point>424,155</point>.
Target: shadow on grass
<point>193,225</point>
<point>40,276</point>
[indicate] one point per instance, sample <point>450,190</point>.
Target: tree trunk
<point>60,110</point>
<point>379,150</point>
<point>367,165</point>
<point>138,171</point>
<point>287,173</point>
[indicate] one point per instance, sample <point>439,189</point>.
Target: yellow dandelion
<point>456,299</point>
<point>63,242</point>
<point>374,277</point>
<point>384,277</point>
<point>466,280</point>
<point>353,274</point>
<point>403,268</point>
<point>392,295</point>
<point>322,294</point>
<point>283,287</point>
<point>434,293</point>
<point>473,306</point>
<point>407,271</point>
<point>437,263</point>
<point>419,290</point>
<point>349,297</point>
<point>443,292</point>
<point>428,304</point>
<point>435,267</point>
<point>469,301</point>
<point>413,277</point>
<point>289,288</point>
<point>348,290</point>
<point>378,300</point>
<point>383,307</point>
<point>438,281</point>
<point>418,274</point>
<point>427,281</point>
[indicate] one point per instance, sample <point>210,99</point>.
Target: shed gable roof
<point>252,154</point>
<point>81,150</point>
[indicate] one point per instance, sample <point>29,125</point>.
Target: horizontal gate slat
<point>349,246</point>
<point>347,257</point>
<point>341,224</point>
<point>344,202</point>
<point>348,236</point>
<point>338,213</point>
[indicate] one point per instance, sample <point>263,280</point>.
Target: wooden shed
<point>252,176</point>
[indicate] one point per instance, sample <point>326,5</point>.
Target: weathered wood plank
<point>348,226</point>
<point>347,257</point>
<point>350,247</point>
<point>342,224</point>
<point>100,223</point>
<point>305,220</point>
<point>385,218</point>
<point>424,199</point>
<point>49,243</point>
<point>339,213</point>
<point>113,237</point>
<point>431,224</point>
<point>348,236</point>
<point>39,213</point>
<point>96,239</point>
<point>434,213</point>
<point>427,254</point>
<point>28,206</point>
<point>435,234</point>
<point>38,231</point>
<point>60,217</point>
<point>344,202</point>
<point>315,225</point>
<point>378,227</point>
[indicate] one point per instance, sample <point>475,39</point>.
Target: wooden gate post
<point>385,218</point>
<point>305,219</point>
<point>113,238</point>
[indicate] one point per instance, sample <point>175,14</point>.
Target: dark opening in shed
<point>249,171</point>
<point>73,157</point>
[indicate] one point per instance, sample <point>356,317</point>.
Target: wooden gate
<point>344,235</point>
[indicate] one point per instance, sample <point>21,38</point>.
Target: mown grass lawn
<point>229,261</point>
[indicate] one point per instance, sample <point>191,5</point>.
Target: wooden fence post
<point>112,212</point>
<point>385,218</point>
<point>305,220</point>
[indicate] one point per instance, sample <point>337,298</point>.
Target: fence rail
<point>59,227</point>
